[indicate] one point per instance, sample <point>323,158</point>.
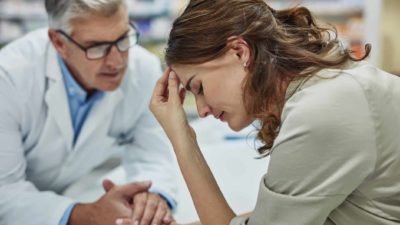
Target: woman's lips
<point>221,116</point>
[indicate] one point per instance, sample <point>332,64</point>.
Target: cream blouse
<point>336,160</point>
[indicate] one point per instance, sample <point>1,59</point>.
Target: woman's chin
<point>238,126</point>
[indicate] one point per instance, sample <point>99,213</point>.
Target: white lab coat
<point>37,157</point>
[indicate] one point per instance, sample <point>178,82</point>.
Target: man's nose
<point>114,58</point>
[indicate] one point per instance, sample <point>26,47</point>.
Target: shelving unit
<point>352,20</point>
<point>360,22</point>
<point>18,17</point>
<point>389,34</point>
<point>153,19</point>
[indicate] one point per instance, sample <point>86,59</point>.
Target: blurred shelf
<point>134,17</point>
<point>325,8</point>
<point>26,10</point>
<point>348,17</point>
<point>152,40</point>
<point>149,9</point>
<point>342,15</point>
<point>153,18</point>
<point>16,17</point>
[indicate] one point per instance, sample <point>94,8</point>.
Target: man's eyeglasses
<point>101,50</point>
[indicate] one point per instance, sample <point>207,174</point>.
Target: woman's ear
<point>241,50</point>
<point>58,42</point>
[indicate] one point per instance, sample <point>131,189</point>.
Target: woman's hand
<point>126,221</point>
<point>167,106</point>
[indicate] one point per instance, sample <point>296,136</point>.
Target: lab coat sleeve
<point>150,156</point>
<point>20,201</point>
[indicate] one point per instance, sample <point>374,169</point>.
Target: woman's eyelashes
<point>197,88</point>
<point>200,91</point>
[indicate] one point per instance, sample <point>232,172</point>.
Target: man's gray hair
<point>61,12</point>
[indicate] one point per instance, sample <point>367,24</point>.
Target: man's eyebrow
<point>188,82</point>
<point>94,43</point>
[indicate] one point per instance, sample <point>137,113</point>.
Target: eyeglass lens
<point>122,45</point>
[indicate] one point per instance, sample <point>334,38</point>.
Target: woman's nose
<point>202,108</point>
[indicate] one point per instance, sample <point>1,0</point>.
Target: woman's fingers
<point>168,84</point>
<point>168,219</point>
<point>182,95</point>
<point>123,222</point>
<point>139,203</point>
<point>166,104</point>
<point>161,91</point>
<point>173,88</point>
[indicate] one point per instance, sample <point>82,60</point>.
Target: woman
<point>329,121</point>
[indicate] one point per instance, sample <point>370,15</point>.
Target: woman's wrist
<point>184,139</point>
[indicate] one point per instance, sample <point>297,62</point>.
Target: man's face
<point>103,74</point>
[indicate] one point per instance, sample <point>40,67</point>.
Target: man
<point>70,97</point>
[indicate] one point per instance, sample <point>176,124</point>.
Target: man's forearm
<point>82,214</point>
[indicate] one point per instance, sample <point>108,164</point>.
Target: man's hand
<point>147,208</point>
<point>150,209</point>
<point>115,203</point>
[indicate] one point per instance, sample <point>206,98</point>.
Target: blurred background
<point>231,156</point>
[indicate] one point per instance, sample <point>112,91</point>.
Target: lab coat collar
<point>57,103</point>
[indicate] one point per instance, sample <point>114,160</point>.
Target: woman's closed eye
<point>200,91</point>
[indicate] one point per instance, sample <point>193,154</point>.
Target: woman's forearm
<point>210,204</point>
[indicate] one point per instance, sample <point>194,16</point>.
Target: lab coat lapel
<point>56,98</point>
<point>99,117</point>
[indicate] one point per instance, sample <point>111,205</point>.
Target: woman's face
<point>218,88</point>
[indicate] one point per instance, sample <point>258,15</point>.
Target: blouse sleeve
<point>324,151</point>
<point>239,221</point>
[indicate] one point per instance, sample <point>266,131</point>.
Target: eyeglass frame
<point>110,43</point>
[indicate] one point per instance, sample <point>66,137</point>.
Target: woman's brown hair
<point>285,45</point>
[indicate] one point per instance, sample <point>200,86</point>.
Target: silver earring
<point>244,65</point>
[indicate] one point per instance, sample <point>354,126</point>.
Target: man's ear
<point>58,42</point>
<point>241,50</point>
